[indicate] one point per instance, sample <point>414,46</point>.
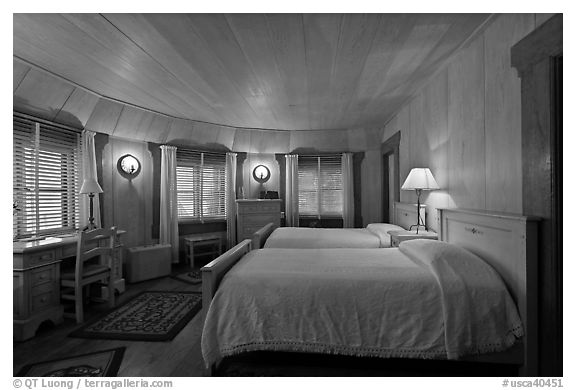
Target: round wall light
<point>261,173</point>
<point>129,165</point>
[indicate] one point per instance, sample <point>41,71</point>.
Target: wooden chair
<point>95,243</point>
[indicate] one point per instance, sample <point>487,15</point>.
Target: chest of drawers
<point>252,214</point>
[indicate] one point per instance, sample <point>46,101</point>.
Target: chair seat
<point>89,270</point>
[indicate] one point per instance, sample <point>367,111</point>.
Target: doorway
<point>538,60</point>
<point>390,150</point>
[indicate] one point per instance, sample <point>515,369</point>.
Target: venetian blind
<point>46,170</point>
<point>201,185</point>
<point>320,185</point>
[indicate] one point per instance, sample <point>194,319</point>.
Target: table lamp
<point>420,179</point>
<point>90,186</point>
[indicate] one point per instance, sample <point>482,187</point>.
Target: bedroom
<point>395,91</point>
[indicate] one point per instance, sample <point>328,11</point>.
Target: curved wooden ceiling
<point>281,71</point>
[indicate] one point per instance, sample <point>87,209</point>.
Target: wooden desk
<point>36,281</point>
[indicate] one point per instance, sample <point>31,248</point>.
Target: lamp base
<point>89,227</point>
<point>418,228</point>
<point>418,219</point>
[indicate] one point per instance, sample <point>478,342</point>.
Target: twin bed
<point>464,297</point>
<point>375,235</point>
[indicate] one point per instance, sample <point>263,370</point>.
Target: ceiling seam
<point>306,66</point>
<point>65,101</point>
<point>156,61</point>
<point>276,67</point>
<point>363,66</point>
<point>118,120</point>
<point>247,58</point>
<point>22,79</point>
<point>223,68</point>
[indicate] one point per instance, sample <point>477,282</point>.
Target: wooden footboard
<point>261,235</point>
<point>213,272</point>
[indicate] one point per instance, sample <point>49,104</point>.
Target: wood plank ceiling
<point>281,71</point>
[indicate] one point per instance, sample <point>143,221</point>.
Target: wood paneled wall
<point>371,202</point>
<point>128,203</point>
<point>251,187</point>
<point>464,124</point>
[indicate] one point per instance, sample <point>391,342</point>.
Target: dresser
<point>252,214</point>
<point>36,281</point>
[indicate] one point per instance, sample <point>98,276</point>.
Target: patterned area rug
<point>190,277</point>
<point>101,363</point>
<point>150,316</point>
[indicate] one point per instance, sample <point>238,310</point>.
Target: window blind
<point>320,185</point>
<point>45,169</point>
<point>201,185</point>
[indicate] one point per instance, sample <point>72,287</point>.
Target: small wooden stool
<point>195,241</point>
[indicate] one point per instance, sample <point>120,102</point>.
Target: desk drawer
<point>39,258</point>
<point>42,275</point>
<point>69,251</point>
<point>43,300</point>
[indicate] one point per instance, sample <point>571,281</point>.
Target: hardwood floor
<point>179,357</point>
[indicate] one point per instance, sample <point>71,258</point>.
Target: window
<point>320,185</point>
<point>46,165</point>
<point>201,184</point>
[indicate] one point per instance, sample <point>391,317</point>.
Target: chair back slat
<point>95,252</point>
<point>94,243</point>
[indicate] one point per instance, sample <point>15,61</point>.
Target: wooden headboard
<point>405,214</point>
<point>507,242</point>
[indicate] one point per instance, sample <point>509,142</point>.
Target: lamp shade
<point>91,186</point>
<point>420,179</point>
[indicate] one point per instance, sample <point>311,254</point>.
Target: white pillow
<point>381,230</point>
<point>431,251</point>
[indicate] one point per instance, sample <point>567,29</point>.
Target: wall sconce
<point>261,173</point>
<point>129,165</point>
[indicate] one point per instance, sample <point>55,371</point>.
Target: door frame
<point>537,58</point>
<point>390,147</point>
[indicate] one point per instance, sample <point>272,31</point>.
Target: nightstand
<point>397,236</point>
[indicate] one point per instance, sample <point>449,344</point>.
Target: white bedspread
<point>301,237</point>
<point>361,302</point>
<point>479,313</point>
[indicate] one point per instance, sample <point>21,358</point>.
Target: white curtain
<point>231,199</point>
<point>169,200</point>
<point>348,190</point>
<point>89,172</point>
<point>292,215</point>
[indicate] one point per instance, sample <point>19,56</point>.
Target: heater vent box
<point>148,262</point>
